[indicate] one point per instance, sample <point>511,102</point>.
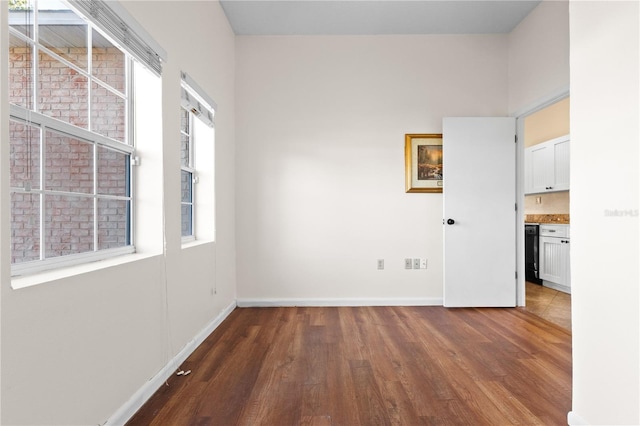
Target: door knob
<point>450,221</point>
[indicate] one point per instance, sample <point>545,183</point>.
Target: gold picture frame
<point>423,162</point>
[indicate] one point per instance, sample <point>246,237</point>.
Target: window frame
<point>191,170</point>
<point>30,116</point>
<point>201,110</point>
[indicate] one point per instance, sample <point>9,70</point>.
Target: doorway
<point>546,206</point>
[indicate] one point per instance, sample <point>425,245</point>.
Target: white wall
<point>605,111</point>
<point>539,56</point>
<point>75,349</point>
<point>320,170</point>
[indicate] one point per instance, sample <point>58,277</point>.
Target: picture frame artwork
<point>423,162</point>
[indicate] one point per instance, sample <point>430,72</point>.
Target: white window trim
<point>49,275</point>
<point>199,106</point>
<point>30,116</point>
<point>194,180</point>
<point>35,266</point>
<point>40,119</point>
<point>43,121</point>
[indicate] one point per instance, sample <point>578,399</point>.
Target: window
<point>71,149</point>
<point>188,175</point>
<point>196,131</point>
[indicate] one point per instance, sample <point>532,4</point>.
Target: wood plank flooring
<point>550,304</point>
<point>372,366</point>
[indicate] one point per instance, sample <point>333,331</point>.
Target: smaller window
<point>196,109</point>
<point>187,173</point>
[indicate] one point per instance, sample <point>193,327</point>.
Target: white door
<point>479,164</point>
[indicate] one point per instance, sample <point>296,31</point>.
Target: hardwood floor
<point>550,304</point>
<point>372,366</point>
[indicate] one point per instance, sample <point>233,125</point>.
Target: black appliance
<point>531,253</point>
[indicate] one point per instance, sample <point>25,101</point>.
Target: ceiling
<point>370,17</point>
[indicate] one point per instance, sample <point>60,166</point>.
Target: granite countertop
<point>547,218</point>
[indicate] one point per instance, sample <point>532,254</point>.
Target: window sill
<point>195,243</point>
<point>44,277</point>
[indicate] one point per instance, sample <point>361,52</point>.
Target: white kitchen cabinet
<point>554,246</point>
<point>546,166</point>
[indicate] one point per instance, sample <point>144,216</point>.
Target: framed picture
<point>423,162</point>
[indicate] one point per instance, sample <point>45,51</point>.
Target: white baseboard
<point>575,420</point>
<point>138,399</point>
<point>251,303</point>
<point>556,286</point>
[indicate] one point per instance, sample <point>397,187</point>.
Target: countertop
<point>562,219</point>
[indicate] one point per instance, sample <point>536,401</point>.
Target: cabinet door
<point>546,166</point>
<point>541,163</point>
<point>561,165</point>
<point>528,172</point>
<point>554,260</point>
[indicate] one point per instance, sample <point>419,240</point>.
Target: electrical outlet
<point>380,263</point>
<point>423,263</point>
<point>408,264</point>
<point>416,263</point>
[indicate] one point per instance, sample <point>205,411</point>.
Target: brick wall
<point>63,93</point>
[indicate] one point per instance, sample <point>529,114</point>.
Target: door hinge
<point>516,206</point>
<point>515,138</point>
<point>516,275</point>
